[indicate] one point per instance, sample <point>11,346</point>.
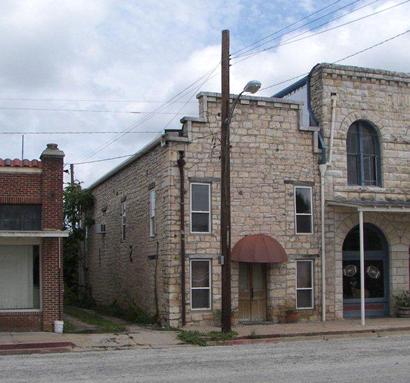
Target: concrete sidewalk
<point>145,337</point>
<point>303,329</point>
<point>135,336</point>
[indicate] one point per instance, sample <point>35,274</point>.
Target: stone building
<point>31,223</point>
<point>156,240</point>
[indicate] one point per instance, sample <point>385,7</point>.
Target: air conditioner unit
<point>100,228</point>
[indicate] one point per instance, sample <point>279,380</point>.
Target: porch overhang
<point>34,234</point>
<point>373,206</point>
<point>259,248</point>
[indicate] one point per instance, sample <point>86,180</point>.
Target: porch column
<point>362,296</point>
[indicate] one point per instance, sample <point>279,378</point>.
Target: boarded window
<point>304,284</point>
<point>201,284</point>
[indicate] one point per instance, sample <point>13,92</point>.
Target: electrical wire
<point>341,59</point>
<point>295,39</point>
<point>177,96</point>
<point>87,100</point>
<point>267,38</point>
<point>78,132</point>
<point>78,110</point>
<point>100,160</point>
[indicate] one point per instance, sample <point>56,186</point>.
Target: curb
<point>271,337</point>
<point>35,347</point>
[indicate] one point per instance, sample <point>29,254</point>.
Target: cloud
<point>148,51</point>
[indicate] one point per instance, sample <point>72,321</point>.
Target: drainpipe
<point>181,164</point>
<point>323,169</point>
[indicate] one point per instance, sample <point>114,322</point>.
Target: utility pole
<point>22,147</point>
<point>225,188</point>
<point>72,174</point>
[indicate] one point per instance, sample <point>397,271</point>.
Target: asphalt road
<point>359,360</point>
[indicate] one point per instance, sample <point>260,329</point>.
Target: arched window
<point>363,155</point>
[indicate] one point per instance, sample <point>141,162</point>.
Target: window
<point>20,217</point>
<point>152,204</point>
<point>123,220</point>
<point>303,210</point>
<point>304,284</point>
<point>19,277</point>
<point>363,155</point>
<point>201,284</point>
<point>200,208</point>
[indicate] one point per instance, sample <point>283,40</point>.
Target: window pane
<point>200,299</point>
<point>200,197</point>
<point>20,217</point>
<point>353,169</point>
<point>304,273</point>
<point>369,166</point>
<point>19,277</point>
<point>303,202</point>
<point>200,222</point>
<point>353,140</point>
<point>200,273</point>
<point>304,298</point>
<point>303,223</point>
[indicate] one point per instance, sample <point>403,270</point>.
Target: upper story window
<point>200,208</point>
<point>123,220</point>
<point>152,203</point>
<point>20,217</point>
<point>303,210</point>
<point>363,155</point>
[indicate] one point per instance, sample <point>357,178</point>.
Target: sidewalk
<point>144,337</point>
<point>246,333</point>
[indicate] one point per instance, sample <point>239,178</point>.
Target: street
<point>366,359</point>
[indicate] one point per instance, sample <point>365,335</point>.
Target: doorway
<point>376,264</point>
<point>252,292</point>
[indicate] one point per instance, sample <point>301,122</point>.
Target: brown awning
<point>259,248</point>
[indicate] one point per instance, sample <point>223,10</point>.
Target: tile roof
<point>17,163</point>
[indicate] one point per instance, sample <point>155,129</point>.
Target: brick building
<point>31,223</point>
<point>305,164</point>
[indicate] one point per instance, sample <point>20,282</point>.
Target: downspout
<point>181,164</point>
<point>323,168</point>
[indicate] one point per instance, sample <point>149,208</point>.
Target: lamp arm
<point>235,102</point>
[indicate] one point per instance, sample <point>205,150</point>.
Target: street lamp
<point>251,87</point>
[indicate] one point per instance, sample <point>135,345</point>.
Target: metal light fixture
<point>252,86</point>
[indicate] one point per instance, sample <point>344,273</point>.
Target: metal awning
<point>259,248</point>
<point>373,206</point>
<point>33,234</point>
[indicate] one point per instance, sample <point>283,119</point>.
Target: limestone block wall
<point>127,271</point>
<point>269,156</point>
<point>382,98</point>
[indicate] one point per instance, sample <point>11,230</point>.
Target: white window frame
<point>305,288</point>
<point>209,212</point>
<point>123,220</point>
<point>151,211</point>
<point>40,260</point>
<point>209,260</point>
<point>302,214</point>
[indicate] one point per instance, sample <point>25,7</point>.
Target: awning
<point>259,248</point>
<point>373,206</point>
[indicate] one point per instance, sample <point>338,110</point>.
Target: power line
<point>101,160</point>
<point>80,132</point>
<point>294,40</point>
<point>341,59</point>
<point>87,100</point>
<point>267,38</point>
<point>78,110</point>
<point>147,118</point>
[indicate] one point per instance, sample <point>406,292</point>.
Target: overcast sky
<point>132,55</point>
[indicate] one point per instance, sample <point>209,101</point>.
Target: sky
<point>74,65</point>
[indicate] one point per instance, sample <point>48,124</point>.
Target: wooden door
<point>252,292</point>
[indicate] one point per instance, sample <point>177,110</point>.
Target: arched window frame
<point>359,126</point>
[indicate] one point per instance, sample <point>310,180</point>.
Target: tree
<point>78,203</point>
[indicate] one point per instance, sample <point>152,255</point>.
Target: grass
<point>131,314</point>
<point>69,328</point>
<point>93,318</point>
<point>202,338</point>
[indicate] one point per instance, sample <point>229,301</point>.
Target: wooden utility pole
<point>72,174</point>
<point>225,188</point>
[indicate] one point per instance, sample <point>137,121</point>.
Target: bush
<point>131,313</point>
<point>402,299</point>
